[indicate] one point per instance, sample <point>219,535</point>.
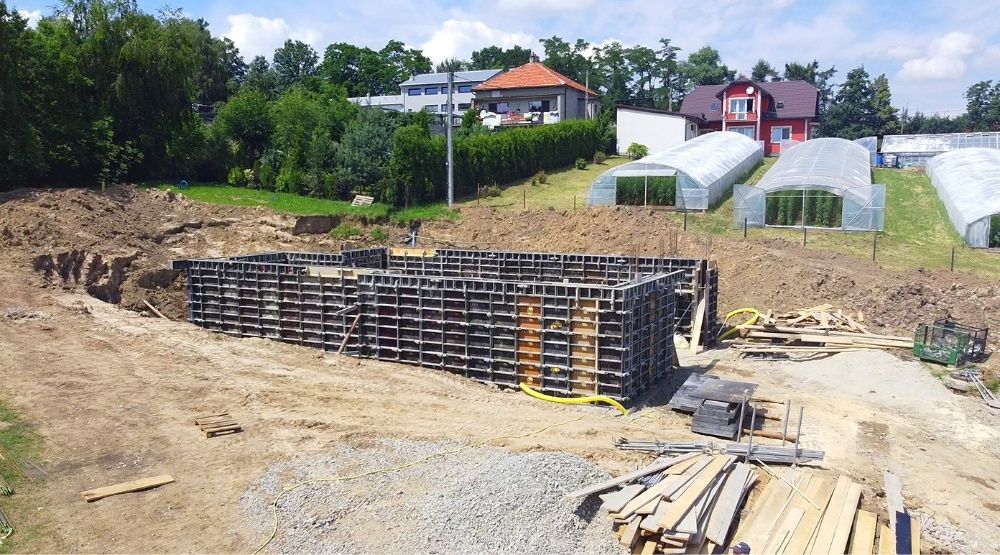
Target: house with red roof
<point>768,112</point>
<point>534,94</point>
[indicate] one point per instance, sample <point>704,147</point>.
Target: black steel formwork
<point>560,323</point>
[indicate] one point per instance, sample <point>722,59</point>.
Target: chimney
<point>534,58</point>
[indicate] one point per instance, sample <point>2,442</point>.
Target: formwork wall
<point>563,325</point>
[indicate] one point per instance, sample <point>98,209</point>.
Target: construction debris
<point>811,331</point>
<point>975,377</point>
<point>142,484</point>
<point>5,488</point>
<point>6,528</point>
<point>761,453</point>
<point>219,423</point>
<point>12,463</point>
<point>949,342</point>
<point>694,505</point>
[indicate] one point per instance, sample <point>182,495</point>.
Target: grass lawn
<point>559,190</point>
<point>20,442</point>
<point>918,233</point>
<point>290,203</point>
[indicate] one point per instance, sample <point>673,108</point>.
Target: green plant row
<point>994,232</point>
<point>818,208</point>
<point>655,190</point>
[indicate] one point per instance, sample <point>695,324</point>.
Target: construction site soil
<point>112,393</point>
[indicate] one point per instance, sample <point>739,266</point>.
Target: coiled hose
<point>575,400</point>
<point>754,316</point>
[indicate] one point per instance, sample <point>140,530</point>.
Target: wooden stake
<point>343,343</point>
<point>153,308</point>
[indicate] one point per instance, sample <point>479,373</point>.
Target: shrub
<point>655,190</point>
<point>600,157</point>
<point>237,177</point>
<point>541,177</point>
<point>378,234</point>
<point>346,231</point>
<point>492,191</point>
<point>580,164</point>
<point>636,151</point>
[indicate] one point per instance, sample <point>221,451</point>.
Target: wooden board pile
<point>692,504</point>
<point>808,331</point>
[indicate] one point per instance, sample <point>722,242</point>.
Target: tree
<point>763,71</point>
<point>671,86</point>
<point>495,57</point>
<point>642,63</point>
<point>403,63</point>
<point>852,113</point>
<point>705,67</point>
<point>219,65</point>
<point>452,64</point>
<point>885,115</point>
<point>811,73</point>
<point>293,62</point>
<point>567,59</point>
<point>21,156</point>
<point>613,74</point>
<point>983,106</point>
<point>364,152</point>
<point>246,120</point>
<point>261,77</point>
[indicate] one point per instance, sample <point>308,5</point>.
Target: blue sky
<point>930,50</point>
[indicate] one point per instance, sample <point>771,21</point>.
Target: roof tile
<point>799,99</point>
<point>531,75</point>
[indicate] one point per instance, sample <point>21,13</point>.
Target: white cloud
<point>945,58</point>
<point>32,16</point>
<point>457,39</point>
<point>544,6</point>
<point>255,35</point>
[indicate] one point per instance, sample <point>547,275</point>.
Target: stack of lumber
<point>692,504</point>
<point>819,329</point>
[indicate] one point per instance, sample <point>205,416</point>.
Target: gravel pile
<point>479,500</point>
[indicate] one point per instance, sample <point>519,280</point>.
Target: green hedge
<point>822,209</point>
<point>659,190</point>
<point>994,232</point>
<point>484,159</point>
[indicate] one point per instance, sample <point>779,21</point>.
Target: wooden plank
<point>721,518</point>
<point>763,507</point>
<point>653,493</point>
<point>127,487</point>
<point>631,534</point>
<point>915,536</point>
<point>699,318</point>
<point>843,533</point>
<point>893,498</point>
<point>886,541</point>
<point>820,490</point>
<point>686,480</point>
<point>783,533</point>
<point>863,541</point>
<point>649,548</point>
<point>700,484</point>
<point>613,502</point>
<point>625,478</point>
<point>831,518</point>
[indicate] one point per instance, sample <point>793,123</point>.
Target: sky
<point>931,51</point>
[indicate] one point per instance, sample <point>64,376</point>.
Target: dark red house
<point>769,112</point>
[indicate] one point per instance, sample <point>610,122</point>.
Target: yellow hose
<point>751,321</point>
<point>575,400</point>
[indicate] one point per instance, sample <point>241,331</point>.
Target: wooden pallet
<point>219,423</point>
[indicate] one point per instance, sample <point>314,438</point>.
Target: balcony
<point>741,116</point>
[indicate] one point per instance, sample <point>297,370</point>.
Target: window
<point>430,90</point>
<point>498,107</point>
<point>779,105</point>
<point>444,108</point>
<point>740,105</point>
<point>538,106</point>
<point>465,88</point>
<point>463,106</point>
<point>779,134</point>
<point>430,108</point>
<point>444,90</point>
<point>748,131</point>
<point>413,92</point>
<point>714,107</point>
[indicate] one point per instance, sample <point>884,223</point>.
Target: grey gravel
<point>480,500</point>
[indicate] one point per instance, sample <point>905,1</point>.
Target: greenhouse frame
<point>917,150</point>
<point>968,183</point>
<point>829,173</point>
<point>705,170</point>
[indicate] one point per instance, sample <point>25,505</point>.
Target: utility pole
<point>447,131</point>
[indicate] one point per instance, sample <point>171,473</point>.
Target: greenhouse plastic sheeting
<point>706,167</point>
<point>834,165</point>
<point>748,206</point>
<point>968,182</point>
<point>935,143</point>
<point>871,144</point>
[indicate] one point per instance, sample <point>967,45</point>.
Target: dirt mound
<point>769,273</point>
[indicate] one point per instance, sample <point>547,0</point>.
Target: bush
<point>580,164</point>
<point>540,177</point>
<point>600,157</point>
<point>237,177</point>
<point>491,191</point>
<point>379,235</point>
<point>655,191</point>
<point>636,151</point>
<point>346,231</point>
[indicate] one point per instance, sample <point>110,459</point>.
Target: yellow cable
<point>274,504</point>
<point>574,400</point>
<point>751,321</point>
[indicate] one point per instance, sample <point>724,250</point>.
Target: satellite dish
<point>750,90</point>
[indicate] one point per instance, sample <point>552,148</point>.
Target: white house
<point>657,129</point>
<point>429,91</point>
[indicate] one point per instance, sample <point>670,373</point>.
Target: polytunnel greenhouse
<point>693,175</point>
<point>968,182</point>
<point>820,183</point>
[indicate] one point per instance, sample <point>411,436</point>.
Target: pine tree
<point>886,116</point>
